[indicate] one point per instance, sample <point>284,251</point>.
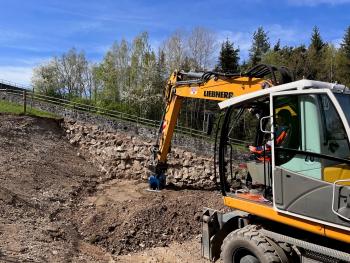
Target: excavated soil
<point>55,206</point>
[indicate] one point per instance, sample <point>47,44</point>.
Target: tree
<point>71,67</point>
<point>107,74</point>
<point>292,57</point>
<point>316,57</point>
<point>143,75</point>
<point>342,58</point>
<point>45,79</point>
<point>295,58</point>
<point>201,43</point>
<point>259,47</point>
<point>159,81</point>
<point>228,58</point>
<point>345,45</point>
<point>64,75</point>
<point>174,50</point>
<point>316,40</point>
<point>112,74</point>
<point>277,46</point>
<point>330,54</point>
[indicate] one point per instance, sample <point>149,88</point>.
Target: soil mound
<point>55,206</point>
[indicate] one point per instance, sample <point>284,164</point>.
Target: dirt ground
<point>55,206</point>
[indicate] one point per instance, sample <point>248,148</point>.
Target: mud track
<point>55,206</point>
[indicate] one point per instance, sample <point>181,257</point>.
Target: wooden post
<point>24,101</point>
<point>32,100</point>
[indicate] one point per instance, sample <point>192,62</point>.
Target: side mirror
<point>262,122</point>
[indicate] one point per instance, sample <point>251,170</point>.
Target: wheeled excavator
<point>293,205</point>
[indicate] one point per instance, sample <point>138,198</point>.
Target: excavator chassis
<point>217,226</point>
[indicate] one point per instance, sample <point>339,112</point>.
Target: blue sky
<point>33,31</point>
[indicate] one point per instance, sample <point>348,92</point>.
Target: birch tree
<point>174,50</point>
<point>201,44</point>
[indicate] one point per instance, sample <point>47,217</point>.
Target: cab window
<point>316,143</point>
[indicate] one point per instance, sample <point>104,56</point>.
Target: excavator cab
<point>311,176</point>
<point>300,194</point>
<point>311,164</point>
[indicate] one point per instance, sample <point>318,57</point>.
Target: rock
<point>186,163</point>
<point>124,156</point>
<point>110,151</point>
<point>177,175</point>
<point>194,177</point>
<point>122,165</point>
<point>141,157</point>
<point>120,149</point>
<point>118,142</point>
<point>207,171</point>
<point>103,169</point>
<point>185,175</point>
<point>137,165</point>
<point>188,155</point>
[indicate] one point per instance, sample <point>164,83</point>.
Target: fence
<point>29,96</point>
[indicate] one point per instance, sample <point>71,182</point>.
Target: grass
<point>10,107</point>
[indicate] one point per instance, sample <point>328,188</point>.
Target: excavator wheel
<point>248,245</point>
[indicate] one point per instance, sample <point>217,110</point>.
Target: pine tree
<point>345,45</point>
<point>342,61</point>
<point>277,46</point>
<point>316,60</point>
<point>259,47</point>
<point>228,58</point>
<point>316,41</point>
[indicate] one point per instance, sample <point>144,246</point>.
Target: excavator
<point>293,204</point>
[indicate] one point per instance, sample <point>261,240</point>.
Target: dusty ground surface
<point>57,207</point>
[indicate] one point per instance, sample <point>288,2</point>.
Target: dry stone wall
<point>121,155</point>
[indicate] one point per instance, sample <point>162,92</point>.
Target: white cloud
<point>317,2</point>
<point>19,75</point>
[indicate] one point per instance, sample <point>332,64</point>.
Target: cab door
<point>307,166</point>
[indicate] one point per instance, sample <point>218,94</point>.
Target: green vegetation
<point>9,107</point>
<point>228,58</point>
<point>131,76</point>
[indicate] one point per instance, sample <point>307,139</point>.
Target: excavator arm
<point>213,86</point>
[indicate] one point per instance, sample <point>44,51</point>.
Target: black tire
<point>247,245</point>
